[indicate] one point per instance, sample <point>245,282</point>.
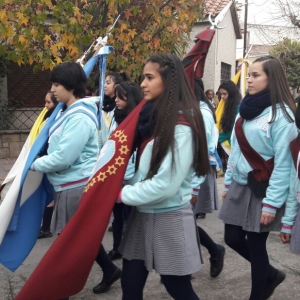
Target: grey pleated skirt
<point>242,208</point>
<point>208,199</point>
<point>65,206</point>
<point>295,240</point>
<point>167,242</point>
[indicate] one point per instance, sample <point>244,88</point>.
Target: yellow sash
<point>37,126</point>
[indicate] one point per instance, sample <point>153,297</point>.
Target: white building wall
<point>222,49</point>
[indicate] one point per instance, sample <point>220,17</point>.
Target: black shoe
<point>114,254</point>
<point>217,263</point>
<point>110,229</point>
<point>44,234</point>
<point>270,288</point>
<point>201,216</point>
<point>104,286</point>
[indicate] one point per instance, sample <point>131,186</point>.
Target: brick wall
<point>26,86</point>
<point>11,142</point>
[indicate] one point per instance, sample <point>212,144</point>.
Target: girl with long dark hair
<point>161,233</point>
<point>259,166</point>
<point>206,199</point>
<point>231,97</point>
<point>128,96</point>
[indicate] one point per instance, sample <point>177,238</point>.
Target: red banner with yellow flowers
<point>64,269</point>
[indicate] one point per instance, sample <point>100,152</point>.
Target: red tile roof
<point>214,6</point>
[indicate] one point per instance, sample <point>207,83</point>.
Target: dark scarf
<point>108,103</point>
<point>120,115</point>
<point>146,123</point>
<point>253,105</point>
<point>146,120</point>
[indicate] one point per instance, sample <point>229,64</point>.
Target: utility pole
<point>245,28</point>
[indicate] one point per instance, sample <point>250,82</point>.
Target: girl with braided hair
<point>161,233</point>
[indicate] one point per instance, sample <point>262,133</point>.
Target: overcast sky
<point>264,12</point>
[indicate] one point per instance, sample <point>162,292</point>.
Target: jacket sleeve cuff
<point>195,192</point>
<point>268,208</point>
<point>226,188</point>
<point>286,229</point>
<point>125,182</point>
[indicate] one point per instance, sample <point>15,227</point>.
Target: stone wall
<point>11,142</point>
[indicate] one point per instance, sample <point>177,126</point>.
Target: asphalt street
<point>232,284</point>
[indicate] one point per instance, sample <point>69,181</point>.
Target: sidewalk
<point>232,284</point>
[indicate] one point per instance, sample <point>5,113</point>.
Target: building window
<point>225,72</point>
<point>26,88</point>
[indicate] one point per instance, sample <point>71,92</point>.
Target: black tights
<point>253,248</point>
<point>134,276</point>
<point>208,243</point>
<point>105,263</point>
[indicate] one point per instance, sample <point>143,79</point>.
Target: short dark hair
<point>71,76</point>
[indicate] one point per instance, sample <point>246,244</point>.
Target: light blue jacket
<point>210,130</point>
<point>269,140</point>
<point>170,189</point>
<point>292,204</point>
<point>209,124</point>
<point>73,148</point>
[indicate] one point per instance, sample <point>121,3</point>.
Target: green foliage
<point>47,32</point>
<point>288,53</point>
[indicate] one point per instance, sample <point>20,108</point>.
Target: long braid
<point>169,106</point>
<point>176,96</point>
<point>162,132</point>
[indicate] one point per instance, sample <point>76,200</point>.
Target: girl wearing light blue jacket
<point>70,158</point>
<point>268,125</point>
<point>72,152</point>
<point>161,233</point>
<point>290,231</point>
<point>205,199</point>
